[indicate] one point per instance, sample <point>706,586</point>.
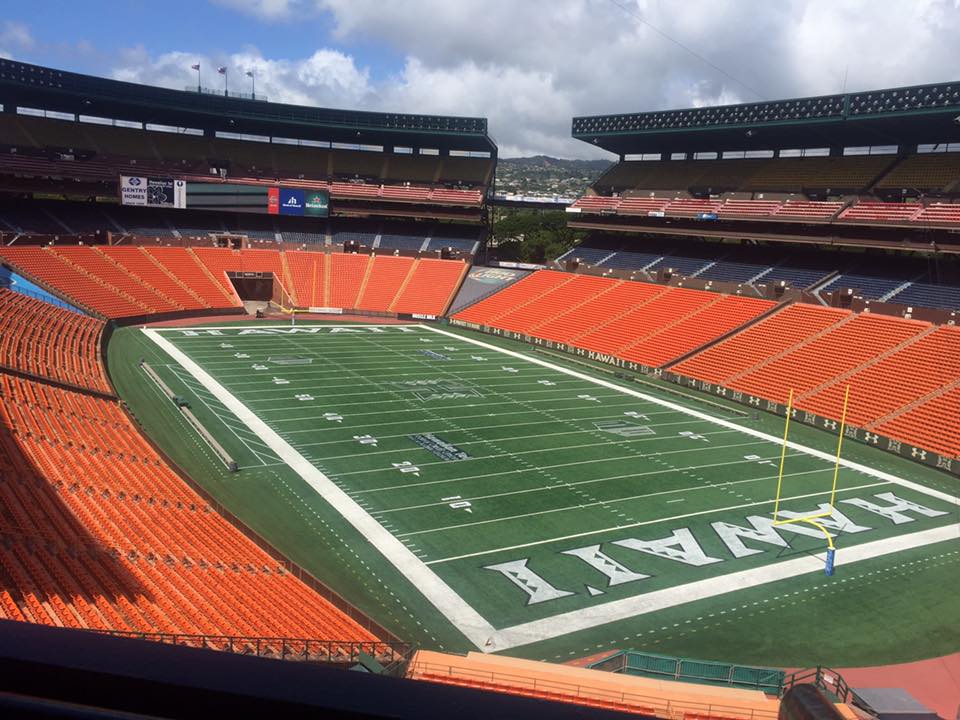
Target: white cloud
<point>326,78</point>
<point>14,36</point>
<point>530,66</point>
<point>267,9</point>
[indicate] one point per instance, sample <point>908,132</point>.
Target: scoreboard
<point>223,197</point>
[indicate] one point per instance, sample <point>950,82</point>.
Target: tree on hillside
<point>532,235</point>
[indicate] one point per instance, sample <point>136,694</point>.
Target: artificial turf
<point>519,461</point>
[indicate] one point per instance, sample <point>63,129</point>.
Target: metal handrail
<point>296,649</point>
<point>574,692</point>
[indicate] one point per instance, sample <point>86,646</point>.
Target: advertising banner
<point>179,193</point>
<point>133,190</point>
<point>273,201</point>
<point>159,192</point>
<point>291,201</point>
<point>317,203</point>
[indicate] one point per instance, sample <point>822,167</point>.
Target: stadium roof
<point>898,116</point>
<point>25,85</point>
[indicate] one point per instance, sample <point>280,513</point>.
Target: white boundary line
<point>454,608</point>
<point>468,620</point>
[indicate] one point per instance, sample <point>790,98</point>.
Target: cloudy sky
<point>527,65</point>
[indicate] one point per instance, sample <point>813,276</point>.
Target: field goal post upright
<point>282,299</point>
<point>813,519</point>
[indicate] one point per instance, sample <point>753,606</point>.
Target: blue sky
<point>527,65</point>
<point>83,35</point>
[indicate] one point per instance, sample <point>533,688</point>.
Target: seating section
<point>640,322</point>
<point>386,276</point>
<point>47,341</point>
<point>101,270</point>
<point>933,424</point>
<point>820,358</point>
<point>903,374</point>
<point>946,297</point>
<point>431,288</point>
<point>896,279</point>
<point>186,267</point>
<point>307,270</point>
<point>67,279</point>
<point>140,265</point>
<point>101,533</point>
<point>927,171</point>
<point>125,281</point>
<point>347,272</point>
<point>880,212</point>
<point>772,336</point>
<point>619,692</point>
<point>883,386</point>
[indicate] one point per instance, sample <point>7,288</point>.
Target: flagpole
<point>199,85</point>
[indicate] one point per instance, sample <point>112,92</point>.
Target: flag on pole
<point>195,67</point>
<point>249,73</point>
<point>222,70</point>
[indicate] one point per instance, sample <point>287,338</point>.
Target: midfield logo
<point>624,428</point>
<point>438,389</point>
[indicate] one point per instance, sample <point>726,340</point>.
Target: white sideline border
<point>461,614</point>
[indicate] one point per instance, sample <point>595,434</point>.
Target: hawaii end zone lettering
<point>683,547</point>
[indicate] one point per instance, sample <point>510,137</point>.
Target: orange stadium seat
<point>140,265</point>
<point>431,287</point>
<point>186,267</point>
<point>770,337</point>
<point>138,549</point>
<point>68,280</point>
<point>99,268</point>
<point>346,273</point>
<point>307,270</point>
<point>645,323</point>
<point>824,356</point>
<point>47,341</point>
<point>384,278</point>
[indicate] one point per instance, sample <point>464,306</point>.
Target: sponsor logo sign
<point>273,201</point>
<point>291,201</point>
<point>133,190</point>
<point>317,203</point>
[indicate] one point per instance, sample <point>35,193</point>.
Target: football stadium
<point>272,409</point>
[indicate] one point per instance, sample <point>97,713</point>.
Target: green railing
<point>630,662</point>
<point>824,678</point>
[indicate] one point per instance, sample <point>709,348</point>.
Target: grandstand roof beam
<point>23,84</point>
<point>897,116</point>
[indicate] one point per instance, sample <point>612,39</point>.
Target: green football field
<point>474,493</point>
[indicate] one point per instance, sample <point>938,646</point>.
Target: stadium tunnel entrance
<point>257,286</point>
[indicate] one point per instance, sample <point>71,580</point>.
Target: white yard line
<point>616,528</point>
<point>659,471</point>
<point>880,474</point>
<point>518,471</point>
<point>520,453</point>
<point>448,602</point>
<point>430,408</point>
<point>461,614</point>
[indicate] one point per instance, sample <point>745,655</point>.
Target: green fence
<point>666,667</point>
